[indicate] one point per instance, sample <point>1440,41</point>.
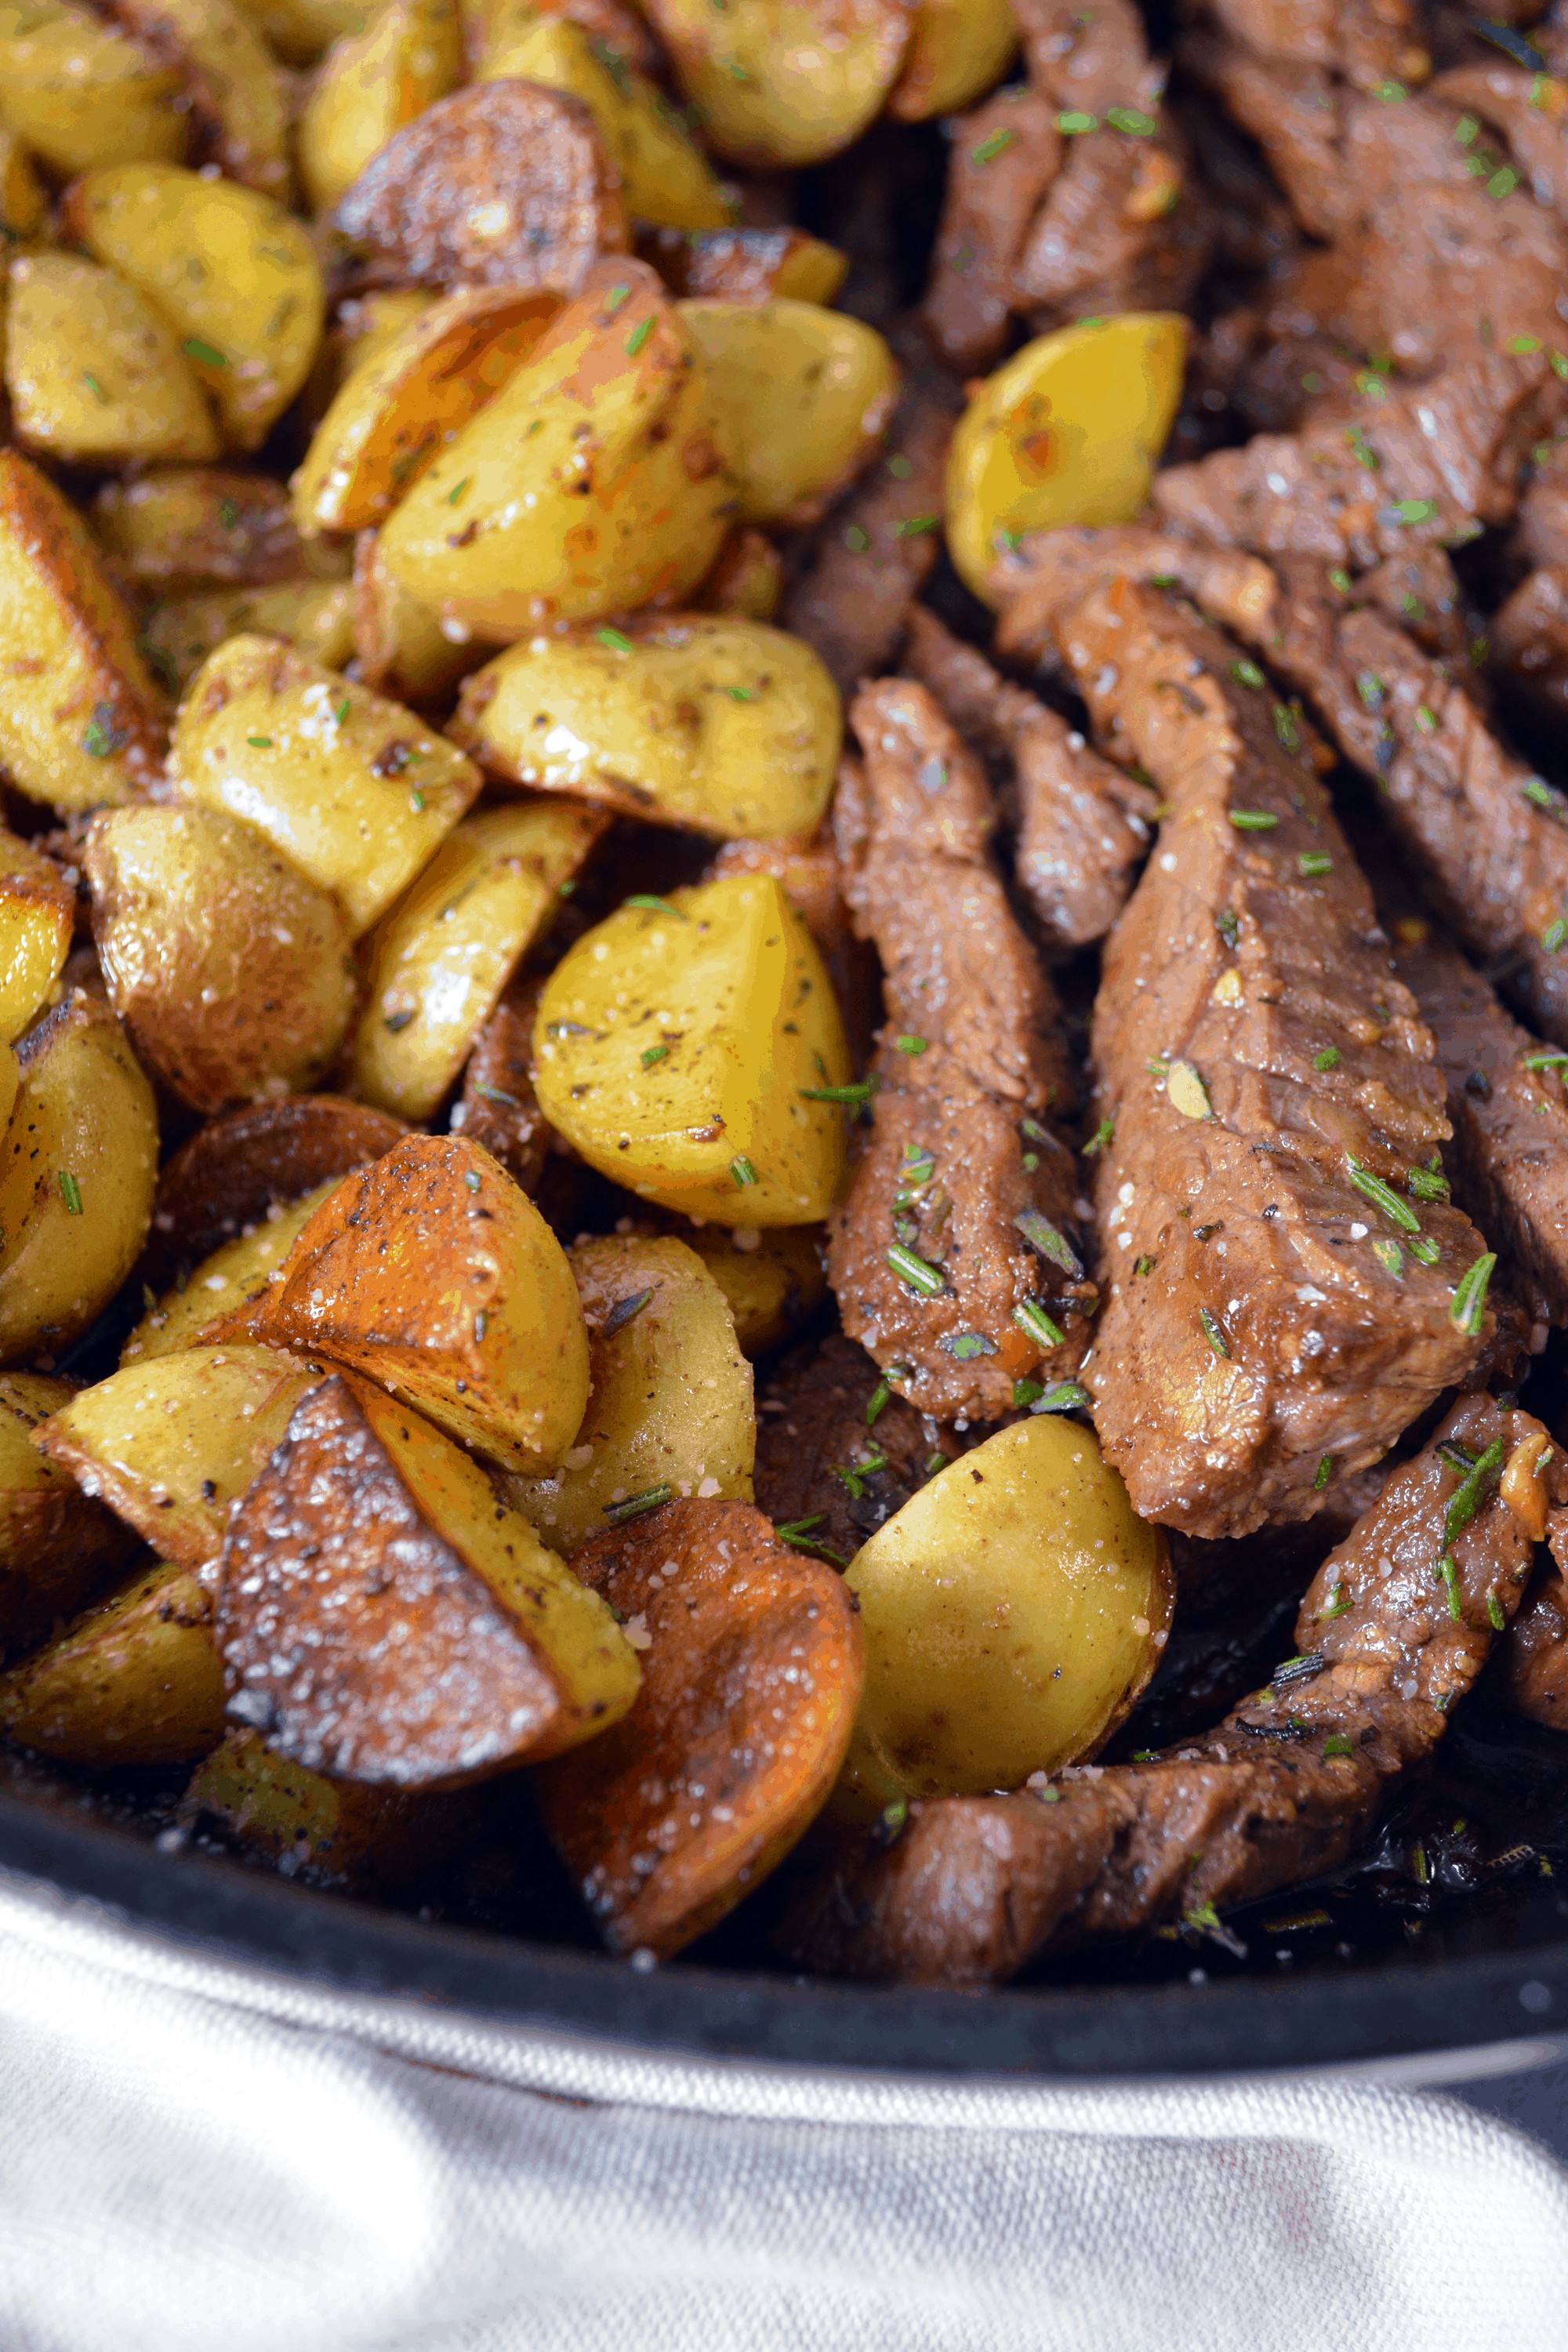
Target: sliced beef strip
<point>1541,534</point>
<point>1420,594</point>
<point>1530,114</point>
<point>1444,267</point>
<point>1006,156</point>
<point>1122,226</point>
<point>1282,1790</point>
<point>1254,1051</point>
<point>1084,60</point>
<point>1529,634</point>
<point>959,1164</point>
<point>1049,573</point>
<point>1370,42</point>
<point>1082,826</point>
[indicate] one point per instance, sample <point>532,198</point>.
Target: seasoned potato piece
<point>349,787</point>
<point>81,94</point>
<point>298,30</point>
<point>594,481</point>
<point>1013,1611</point>
<point>381,1615</point>
<point>669,1408</point>
<point>205,526</point>
<point>233,88</point>
<point>168,1444</point>
<point>783,82</point>
<point>235,275</point>
<point>77,1169</point>
<point>409,54</point>
<point>231,1277</point>
<point>315,616</point>
<point>683,1047</point>
<point>135,1680</point>
<point>747,265</point>
<point>958,50</point>
<point>752,1670</point>
<point>361,327</point>
<point>807,393</point>
<point>375,1841</point>
<point>37,916</point>
<point>500,1108</point>
<point>397,410</point>
<point>400,646</point>
<point>24,206</point>
<point>747,582</point>
<point>773,1279</point>
<point>724,726</point>
<point>231,972</point>
<point>431,1272</point>
<point>82,723</point>
<point>57,1547</point>
<point>441,958</point>
<point>1068,430</point>
<point>95,376</point>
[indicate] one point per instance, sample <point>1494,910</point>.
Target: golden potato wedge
<point>373,82</point>
<point>187,527</point>
<point>231,970</point>
<point>235,275</point>
<point>57,1547</point>
<point>169,1444</point>
<point>669,1407</point>
<point>235,92</point>
<point>315,616</point>
<point>78,1164</point>
<point>439,961</point>
<point>299,30</point>
<point>721,725</point>
<point>751,1672</point>
<point>807,393</point>
<point>684,1046</point>
<point>95,376</point>
<point>595,481</point>
<point>400,644</point>
<point>82,723</point>
<point>340,1832</point>
<point>746,265</point>
<point>38,917</point>
<point>958,50</point>
<point>382,1616</point>
<point>349,787</point>
<point>431,1273</point>
<point>362,327</point>
<point>777,83</point>
<point>773,1279</point>
<point>81,95</point>
<point>1013,1611</point>
<point>236,1273</point>
<point>1068,430</point>
<point>400,408</point>
<point>24,206</point>
<point>135,1680</point>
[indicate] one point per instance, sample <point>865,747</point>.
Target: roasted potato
<point>349,787</point>
<point>723,726</point>
<point>1068,431</point>
<point>669,1405</point>
<point>777,83</point>
<point>400,646</point>
<point>430,1272</point>
<point>233,88</point>
<point>439,961</point>
<point>81,94</point>
<point>299,30</point>
<point>135,1680</point>
<point>382,1616</point>
<point>189,526</point>
<point>77,1166</point>
<point>1013,1611</point>
<point>684,1047</point>
<point>373,82</point>
<point>593,482</point>
<point>773,1278</point>
<point>362,327</point>
<point>82,723</point>
<point>57,1547</point>
<point>376,1841</point>
<point>747,582</point>
<point>498,1107</point>
<point>808,394</point>
<point>315,616</point>
<point>958,50</point>
<point>37,916</point>
<point>24,206</point>
<point>751,1671</point>
<point>236,1273</point>
<point>746,265</point>
<point>234,274</point>
<point>95,376</point>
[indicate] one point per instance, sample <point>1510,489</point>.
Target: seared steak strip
<point>1006,155</point>
<point>1049,571</point>
<point>1370,42</point>
<point>1535,1655</point>
<point>836,1452</point>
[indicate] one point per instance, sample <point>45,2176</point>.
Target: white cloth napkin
<point>196,2157</point>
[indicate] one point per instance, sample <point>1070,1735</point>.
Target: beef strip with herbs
<point>1393,1629</point>
<point>1535,1654</point>
<point>1370,42</point>
<point>1529,634</point>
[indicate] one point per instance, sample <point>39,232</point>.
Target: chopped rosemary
<point>1036,1323</point>
<point>638,337</point>
<point>1325,1471</point>
<point>1425,1251</point>
<point>1103,1134</point>
<point>70,1193</point>
<point>651,904</point>
<point>1246,672</point>
<point>1025,1391</point>
<point>1381,1196</point>
<point>1329,1059</point>
<point>1253,820</point>
<point>1389,1257</point>
<point>652,1053</point>
<point>623,1311</point>
<point>1470,1298</point>
<point>1339,1743</point>
<point>1428,1183</point>
<point>616,639</point>
<point>1041,1234</point>
<point>910,1044</point>
<point>917,1271</point>
<point>964,1346</point>
<point>636,1505</point>
<point>1066,1396</point>
<point>860,1090</point>
<point>1467,1496</point>
<point>1312,862</point>
<point>741,1169</point>
<point>1213,1333</point>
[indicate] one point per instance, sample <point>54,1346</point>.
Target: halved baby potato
<point>58,1546</point>
<point>958,50</point>
<point>237,1272</point>
<point>372,83</point>
<point>376,1841</point>
<point>95,375</point>
<point>298,30</point>
<point>315,616</point>
<point>37,918</point>
<point>773,1278</point>
<point>807,393</point>
<point>779,83</point>
<point>83,95</point>
<point>135,1680</point>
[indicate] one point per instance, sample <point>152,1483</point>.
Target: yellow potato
<point>135,1680</point>
<point>77,1166</point>
<point>315,616</point>
<point>400,406</point>
<point>361,330</point>
<point>807,393</point>
<point>399,644</point>
<point>231,1277</point>
<point>298,30</point>
<point>95,375</point>
<point>439,961</point>
<point>349,787</point>
<point>958,50</point>
<point>1012,1610</point>
<point>596,480</point>
<point>57,1547</point>
<point>1068,430</point>
<point>188,527</point>
<point>773,1279</point>
<point>409,54</point>
<point>235,275</point>
<point>783,82</point>
<point>82,723</point>
<point>235,89</point>
<point>37,916</point>
<point>679,1048</point>
<point>725,725</point>
<point>381,1840</point>
<point>81,94</point>
<point>24,206</point>
<point>670,1409</point>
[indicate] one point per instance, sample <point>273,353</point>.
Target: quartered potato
<point>95,375</point>
<point>399,644</point>
<point>682,1046</point>
<point>409,54</point>
<point>670,1405</point>
<point>57,1547</point>
<point>783,82</point>
<point>186,527</point>
<point>376,1841</point>
<point>439,961</point>
<point>958,50</point>
<point>723,726</point>
<point>362,327</point>
<point>746,265</point>
<point>37,916</point>
<point>82,95</point>
<point>382,1616</point>
<point>1068,430</point>
<point>135,1680</point>
<point>348,787</point>
<point>315,616</point>
<point>807,393</point>
<point>596,480</point>
<point>231,972</point>
<point>78,1164</point>
<point>233,87</point>
<point>23,205</point>
<point>82,723</point>
<point>236,1273</point>
<point>773,1278</point>
<point>1013,1611</point>
<point>234,274</point>
<point>431,1273</point>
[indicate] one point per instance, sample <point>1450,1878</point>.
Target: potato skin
<point>231,972</point>
<point>57,1547</point>
<point>232,86</point>
<point>778,83</point>
<point>958,50</point>
<point>94,373</point>
<point>134,1681</point>
<point>37,920</point>
<point>808,393</point>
